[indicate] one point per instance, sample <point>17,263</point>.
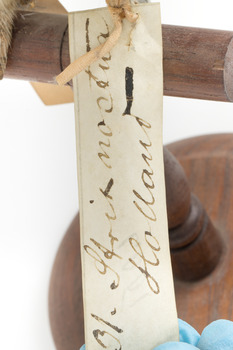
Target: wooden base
<point>208,163</point>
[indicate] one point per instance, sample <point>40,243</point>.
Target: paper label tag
<point>128,289</point>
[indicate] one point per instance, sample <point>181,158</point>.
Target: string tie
<point>119,9</point>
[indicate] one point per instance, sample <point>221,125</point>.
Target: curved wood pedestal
<point>208,163</point>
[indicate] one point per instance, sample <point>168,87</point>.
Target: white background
<point>38,186</point>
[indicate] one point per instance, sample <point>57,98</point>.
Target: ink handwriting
<point>105,101</point>
<point>144,203</point>
<point>97,332</point>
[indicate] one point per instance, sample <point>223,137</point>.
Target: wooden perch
<point>198,63</point>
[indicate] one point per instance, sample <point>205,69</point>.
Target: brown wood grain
<point>208,163</point>
<point>195,243</point>
<point>197,62</point>
<point>65,294</point>
<point>35,51</point>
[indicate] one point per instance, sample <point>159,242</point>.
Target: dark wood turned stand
<point>197,64</point>
<point>201,241</point>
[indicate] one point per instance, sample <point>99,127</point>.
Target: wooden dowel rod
<point>198,63</point>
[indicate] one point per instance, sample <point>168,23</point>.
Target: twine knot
<point>119,9</point>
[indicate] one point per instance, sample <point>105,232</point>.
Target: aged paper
<point>128,289</point>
